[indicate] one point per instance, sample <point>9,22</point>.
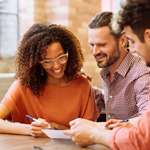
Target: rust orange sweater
<point>59,104</point>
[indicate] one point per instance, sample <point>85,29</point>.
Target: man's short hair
<point>109,19</point>
<point>136,14</point>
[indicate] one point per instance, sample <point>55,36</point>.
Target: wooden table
<point>19,142</point>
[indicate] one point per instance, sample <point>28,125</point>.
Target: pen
<point>37,121</point>
<point>113,125</point>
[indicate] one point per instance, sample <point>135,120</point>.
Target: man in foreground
<point>135,20</point>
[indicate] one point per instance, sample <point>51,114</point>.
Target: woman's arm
<point>10,127</point>
<point>14,128</point>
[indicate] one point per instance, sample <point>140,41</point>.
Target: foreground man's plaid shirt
<point>128,94</point>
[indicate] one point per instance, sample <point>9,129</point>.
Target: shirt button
<point>110,96</point>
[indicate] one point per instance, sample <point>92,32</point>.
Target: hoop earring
<point>42,71</point>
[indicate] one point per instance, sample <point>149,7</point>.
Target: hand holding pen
<point>114,123</point>
<point>38,121</point>
<point>37,125</point>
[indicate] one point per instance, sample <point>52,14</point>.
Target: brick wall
<point>80,13</point>
<point>26,15</point>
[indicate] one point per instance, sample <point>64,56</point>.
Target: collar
<point>123,68</point>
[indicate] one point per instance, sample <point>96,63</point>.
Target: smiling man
<point>125,78</point>
<point>135,20</point>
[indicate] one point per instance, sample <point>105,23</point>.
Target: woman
<point>47,62</point>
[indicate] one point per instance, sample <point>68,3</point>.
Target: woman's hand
<point>57,126</point>
<point>36,128</point>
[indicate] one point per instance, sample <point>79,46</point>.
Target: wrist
<point>94,137</point>
<point>101,136</point>
<point>24,129</point>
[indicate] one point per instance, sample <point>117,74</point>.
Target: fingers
<point>73,127</point>
<point>111,126</point>
<point>36,127</point>
<point>73,122</point>
<point>39,124</point>
<point>43,121</point>
<point>73,135</point>
<point>36,130</point>
<point>79,74</point>
<point>68,132</point>
<point>37,133</point>
<point>81,135</point>
<point>123,124</point>
<point>79,121</point>
<point>112,121</point>
<point>83,73</point>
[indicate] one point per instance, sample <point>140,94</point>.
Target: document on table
<point>56,134</point>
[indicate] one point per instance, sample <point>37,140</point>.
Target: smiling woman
<point>48,60</point>
<point>55,64</point>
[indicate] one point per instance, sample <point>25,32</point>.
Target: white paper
<point>56,134</point>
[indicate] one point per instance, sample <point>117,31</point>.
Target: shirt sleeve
<point>133,138</point>
<point>98,93</point>
<point>141,89</point>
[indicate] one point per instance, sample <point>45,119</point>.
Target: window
<point>8,28</point>
<point>110,5</point>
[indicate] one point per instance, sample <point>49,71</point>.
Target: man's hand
<point>85,132</point>
<point>75,123</point>
<point>117,123</point>
<point>82,134</point>
<point>83,73</point>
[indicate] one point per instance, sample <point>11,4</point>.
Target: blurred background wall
<point>16,16</point>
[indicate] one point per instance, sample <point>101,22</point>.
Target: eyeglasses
<point>49,63</point>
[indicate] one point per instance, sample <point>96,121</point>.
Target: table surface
<point>19,142</point>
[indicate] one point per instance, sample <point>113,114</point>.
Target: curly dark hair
<point>135,13</point>
<point>33,48</point>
